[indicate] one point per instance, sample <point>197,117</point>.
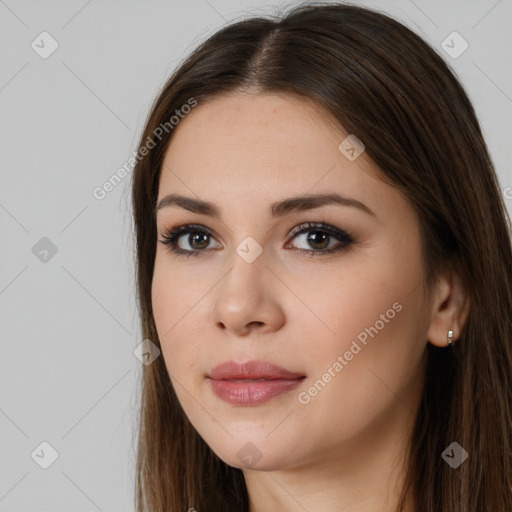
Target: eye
<point>198,239</point>
<point>319,236</point>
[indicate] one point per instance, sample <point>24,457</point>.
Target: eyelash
<point>171,237</point>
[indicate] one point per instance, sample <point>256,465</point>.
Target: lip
<point>253,382</point>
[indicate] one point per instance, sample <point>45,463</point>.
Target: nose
<point>247,299</point>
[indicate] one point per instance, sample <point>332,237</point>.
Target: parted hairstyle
<point>387,86</point>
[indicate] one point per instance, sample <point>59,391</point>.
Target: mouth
<point>252,383</point>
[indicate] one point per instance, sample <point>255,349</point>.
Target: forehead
<point>260,148</point>
<point>255,135</point>
<point>258,122</point>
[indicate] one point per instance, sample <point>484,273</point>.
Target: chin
<point>253,453</point>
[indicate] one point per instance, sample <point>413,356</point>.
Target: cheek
<point>163,299</point>
<point>375,314</point>
<point>357,294</point>
<point>368,368</point>
<point>173,304</point>
<point>367,323</point>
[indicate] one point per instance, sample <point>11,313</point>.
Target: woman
<point>324,261</point>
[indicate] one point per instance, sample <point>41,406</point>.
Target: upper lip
<point>231,370</point>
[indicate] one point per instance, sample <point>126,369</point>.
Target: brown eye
<point>198,240</point>
<point>318,237</point>
<point>202,241</point>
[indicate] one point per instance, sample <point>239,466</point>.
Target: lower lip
<point>252,393</point>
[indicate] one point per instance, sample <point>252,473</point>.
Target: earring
<point>450,336</point>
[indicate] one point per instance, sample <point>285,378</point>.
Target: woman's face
<point>253,284</point>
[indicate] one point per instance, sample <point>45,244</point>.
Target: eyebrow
<point>278,209</point>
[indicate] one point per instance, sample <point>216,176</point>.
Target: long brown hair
<point>384,84</point>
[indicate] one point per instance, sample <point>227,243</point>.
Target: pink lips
<point>251,383</point>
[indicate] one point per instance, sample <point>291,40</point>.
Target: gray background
<point>68,325</point>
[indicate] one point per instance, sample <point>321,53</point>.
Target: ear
<point>449,309</point>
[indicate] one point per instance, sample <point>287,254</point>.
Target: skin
<point>345,449</point>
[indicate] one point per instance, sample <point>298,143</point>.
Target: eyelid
<point>177,231</point>
<point>341,235</point>
<point>320,226</point>
<point>180,228</point>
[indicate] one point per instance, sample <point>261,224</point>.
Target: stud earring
<point>450,336</point>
